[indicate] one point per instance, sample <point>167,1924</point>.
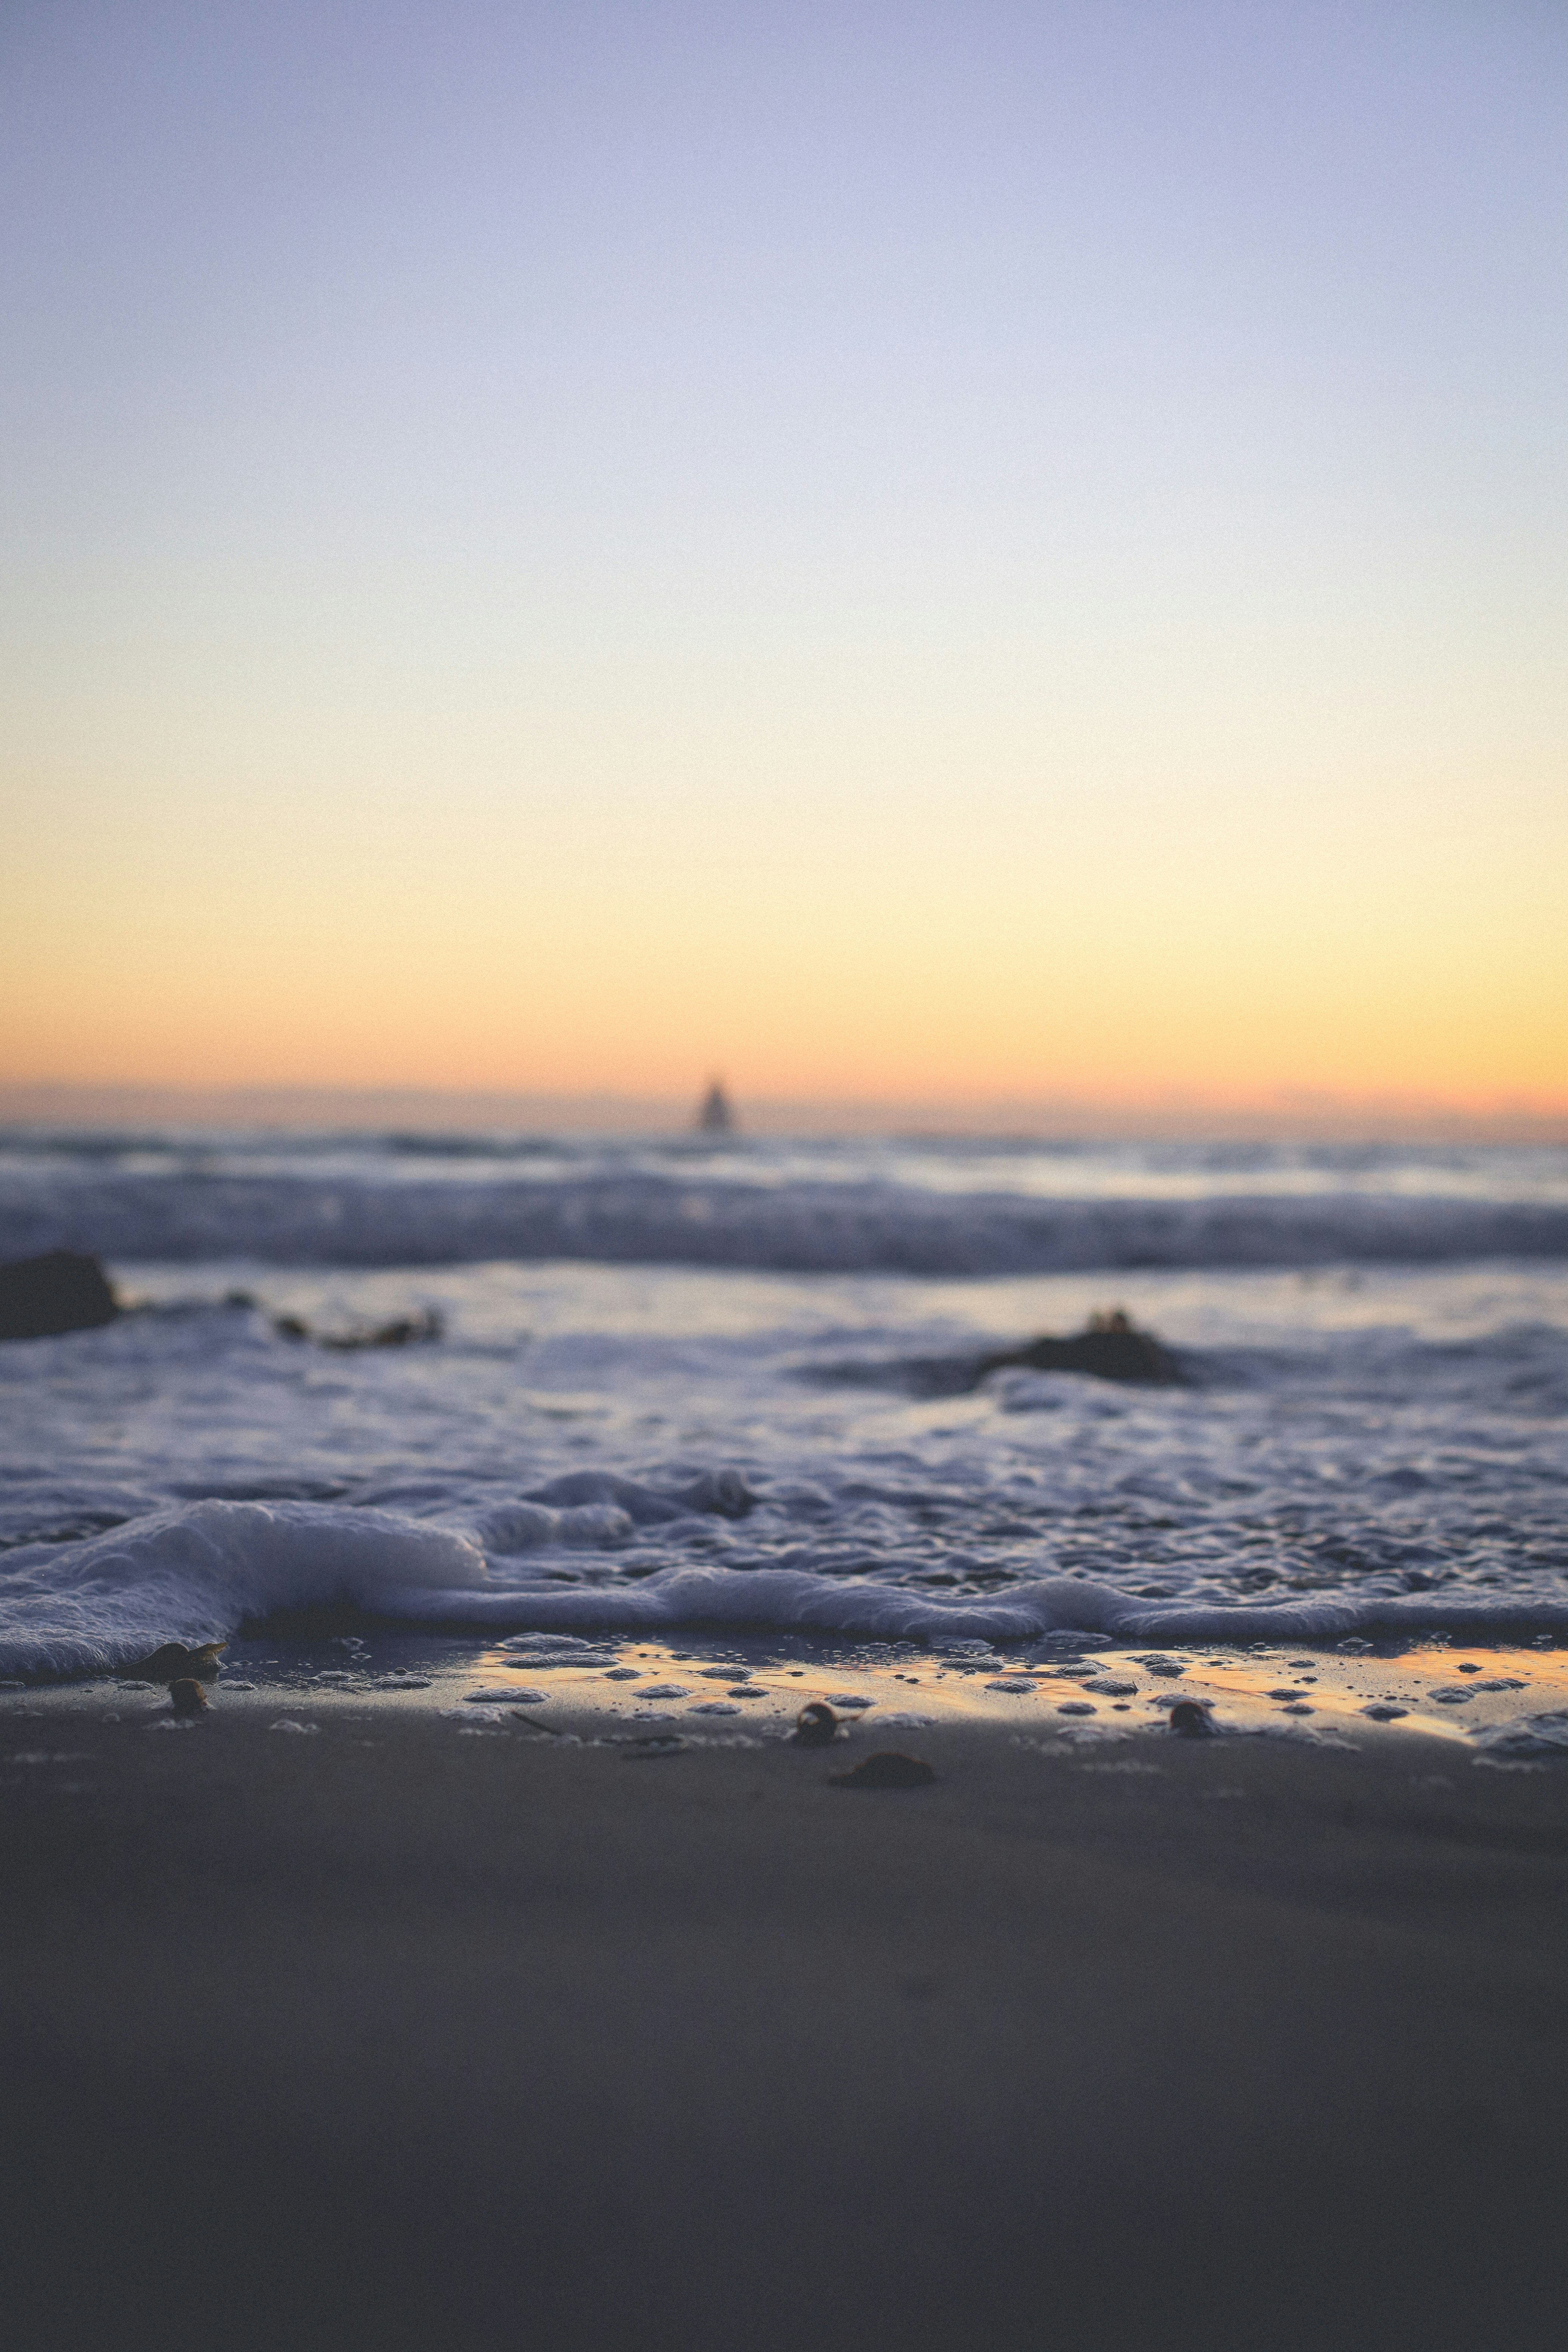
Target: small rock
<point>1109,1348</point>
<point>175,1663</point>
<point>401,1332</point>
<point>888,1769</point>
<point>1190,1720</point>
<point>187,1696</point>
<point>816,1726</point>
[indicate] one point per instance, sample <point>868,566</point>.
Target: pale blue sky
<point>688,489</point>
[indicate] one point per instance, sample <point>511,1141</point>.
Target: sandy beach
<point>392,2034</point>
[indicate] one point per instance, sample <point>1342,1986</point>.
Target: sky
<point>898,552</point>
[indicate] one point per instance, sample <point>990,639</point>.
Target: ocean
<point>628,1385</point>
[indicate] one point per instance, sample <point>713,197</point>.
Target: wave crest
<point>796,1228</point>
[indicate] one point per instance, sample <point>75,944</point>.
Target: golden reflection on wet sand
<point>1446,1690</point>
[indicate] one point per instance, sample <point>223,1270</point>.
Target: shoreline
<point>708,1681</point>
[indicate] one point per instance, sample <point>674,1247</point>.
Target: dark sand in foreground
<point>397,2037</point>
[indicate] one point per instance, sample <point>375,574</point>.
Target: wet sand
<point>400,2033</point>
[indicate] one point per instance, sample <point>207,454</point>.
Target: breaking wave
<point>798,1227</point>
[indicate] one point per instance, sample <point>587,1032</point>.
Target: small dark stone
<point>289,1327</point>
<point>1191,1720</point>
<point>62,1291</point>
<point>886,1770</point>
<point>187,1696</point>
<point>814,1726</point>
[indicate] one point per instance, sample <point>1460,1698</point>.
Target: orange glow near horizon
<point>972,957</point>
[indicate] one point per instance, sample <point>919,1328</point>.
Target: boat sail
<point>715,1113</point>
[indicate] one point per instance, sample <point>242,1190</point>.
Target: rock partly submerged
<point>1110,1347</point>
<point>63,1290</point>
<point>402,1331</point>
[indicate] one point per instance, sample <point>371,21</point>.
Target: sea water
<point>732,1383</point>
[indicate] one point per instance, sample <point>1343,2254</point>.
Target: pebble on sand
<point>816,1726</point>
<point>187,1696</point>
<point>174,1662</point>
<point>1190,1720</point>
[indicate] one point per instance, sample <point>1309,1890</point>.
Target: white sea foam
<point>592,1452</point>
<point>196,1574</point>
<point>1537,1739</point>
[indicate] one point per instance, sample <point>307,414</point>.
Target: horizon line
<point>1287,1114</point>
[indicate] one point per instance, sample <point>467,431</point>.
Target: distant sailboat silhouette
<point>715,1115</point>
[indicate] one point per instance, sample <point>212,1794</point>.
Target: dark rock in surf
<point>63,1290</point>
<point>888,1769</point>
<point>404,1331</point>
<point>816,1726</point>
<point>187,1698</point>
<point>1110,1347</point>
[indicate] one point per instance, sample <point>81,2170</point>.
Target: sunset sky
<point>892,551</point>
